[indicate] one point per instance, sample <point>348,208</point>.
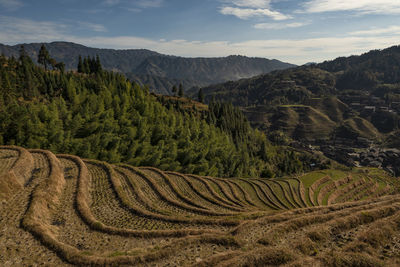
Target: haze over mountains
<point>160,72</point>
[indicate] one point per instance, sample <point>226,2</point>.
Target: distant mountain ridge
<point>160,72</point>
<point>349,97</point>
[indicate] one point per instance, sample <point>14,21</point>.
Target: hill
<point>159,72</point>
<point>62,210</point>
<point>301,122</point>
<point>358,94</point>
<point>101,115</point>
<point>292,86</point>
<point>367,70</point>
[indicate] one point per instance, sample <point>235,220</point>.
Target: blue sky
<point>296,31</point>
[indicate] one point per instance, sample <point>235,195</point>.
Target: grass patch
<point>310,178</point>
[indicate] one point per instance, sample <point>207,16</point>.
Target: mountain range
<point>349,97</point>
<point>159,72</point>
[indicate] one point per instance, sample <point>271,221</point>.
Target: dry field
<point>63,210</point>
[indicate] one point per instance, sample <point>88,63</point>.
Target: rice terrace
<point>218,133</point>
<point>63,210</point>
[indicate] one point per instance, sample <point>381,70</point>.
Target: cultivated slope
<point>63,210</point>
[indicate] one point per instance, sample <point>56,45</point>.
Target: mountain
<point>383,63</point>
<point>159,72</point>
<point>208,70</point>
<point>117,60</point>
<point>349,97</point>
<point>368,71</point>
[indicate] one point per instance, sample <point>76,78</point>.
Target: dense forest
<point>99,114</point>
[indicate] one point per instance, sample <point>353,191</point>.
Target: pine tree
<point>180,92</point>
<point>99,68</point>
<point>174,89</point>
<point>201,95</point>
<point>43,57</point>
<point>22,53</point>
<point>80,65</point>
<point>92,65</point>
<point>86,65</point>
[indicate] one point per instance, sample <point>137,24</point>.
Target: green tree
<point>80,65</point>
<point>174,89</point>
<point>22,53</point>
<point>43,57</point>
<point>201,95</point>
<point>99,68</point>
<point>60,66</point>
<point>86,65</point>
<point>53,63</point>
<point>180,92</point>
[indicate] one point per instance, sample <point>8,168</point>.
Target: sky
<point>295,31</point>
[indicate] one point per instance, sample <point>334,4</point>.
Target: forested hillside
<point>351,98</point>
<point>159,72</point>
<point>367,70</point>
<point>291,86</point>
<point>101,115</point>
<point>377,72</point>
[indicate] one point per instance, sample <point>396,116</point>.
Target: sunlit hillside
<point>62,210</point>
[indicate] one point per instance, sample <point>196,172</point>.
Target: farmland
<point>64,210</point>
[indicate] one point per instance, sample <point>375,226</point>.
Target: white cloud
<point>17,29</point>
<point>360,6</point>
<point>250,3</point>
<point>25,30</point>
<point>245,9</point>
<point>149,3</point>
<point>246,13</point>
<point>279,26</point>
<point>133,9</point>
<point>299,51</point>
<point>111,2</point>
<point>135,5</point>
<point>11,4</point>
<point>92,26</point>
<point>378,31</point>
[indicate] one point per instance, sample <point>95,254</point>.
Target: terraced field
<point>63,210</point>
